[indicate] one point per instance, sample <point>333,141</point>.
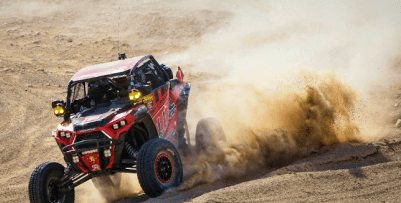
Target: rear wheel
<point>209,135</point>
<point>159,167</point>
<point>43,185</point>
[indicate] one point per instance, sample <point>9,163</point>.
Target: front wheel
<point>43,185</point>
<point>159,167</point>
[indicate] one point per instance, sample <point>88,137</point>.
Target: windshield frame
<point>71,84</point>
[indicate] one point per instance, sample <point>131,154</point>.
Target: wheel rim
<point>164,168</point>
<point>53,192</point>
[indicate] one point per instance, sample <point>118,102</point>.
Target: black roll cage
<point>130,72</point>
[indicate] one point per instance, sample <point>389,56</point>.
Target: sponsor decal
<point>95,167</point>
<point>149,105</point>
<point>148,98</point>
<point>173,133</point>
<point>90,129</point>
<point>90,119</point>
<point>92,159</point>
<point>171,110</point>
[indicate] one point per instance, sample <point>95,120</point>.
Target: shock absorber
<point>130,150</point>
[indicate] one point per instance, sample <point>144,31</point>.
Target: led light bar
<point>89,152</point>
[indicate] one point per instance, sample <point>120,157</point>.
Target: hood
<point>97,116</point>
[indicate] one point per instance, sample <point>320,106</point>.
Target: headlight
<point>134,95</point>
<point>58,110</point>
<point>118,125</point>
<point>65,134</point>
<point>107,153</point>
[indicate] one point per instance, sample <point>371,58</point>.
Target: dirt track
<point>43,43</point>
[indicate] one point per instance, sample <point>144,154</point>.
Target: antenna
<point>121,56</point>
<point>119,14</point>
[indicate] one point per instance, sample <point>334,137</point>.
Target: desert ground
<point>308,92</point>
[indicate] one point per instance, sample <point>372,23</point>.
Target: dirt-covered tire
<point>209,135</point>
<point>108,186</point>
<point>159,167</point>
<point>43,184</point>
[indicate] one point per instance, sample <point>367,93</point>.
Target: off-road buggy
<point>124,116</point>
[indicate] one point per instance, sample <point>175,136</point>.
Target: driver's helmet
<point>97,88</point>
<point>92,88</point>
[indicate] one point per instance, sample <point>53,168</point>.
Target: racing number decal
<point>160,111</point>
<point>164,119</point>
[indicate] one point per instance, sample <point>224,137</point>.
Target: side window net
<point>149,73</point>
<point>78,91</point>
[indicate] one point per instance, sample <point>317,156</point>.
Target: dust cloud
<point>274,128</point>
<point>118,187</point>
<point>293,76</point>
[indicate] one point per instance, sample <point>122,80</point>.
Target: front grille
<point>90,136</point>
<point>95,124</point>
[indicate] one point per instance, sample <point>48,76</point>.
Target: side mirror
<point>58,107</point>
<point>145,89</point>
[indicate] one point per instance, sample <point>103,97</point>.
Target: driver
<point>98,92</point>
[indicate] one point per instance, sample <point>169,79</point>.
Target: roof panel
<point>105,69</point>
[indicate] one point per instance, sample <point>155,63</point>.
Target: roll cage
<point>138,75</point>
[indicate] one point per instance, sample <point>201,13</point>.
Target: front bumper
<point>90,162</point>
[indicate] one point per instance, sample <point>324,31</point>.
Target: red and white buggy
<point>124,116</point>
